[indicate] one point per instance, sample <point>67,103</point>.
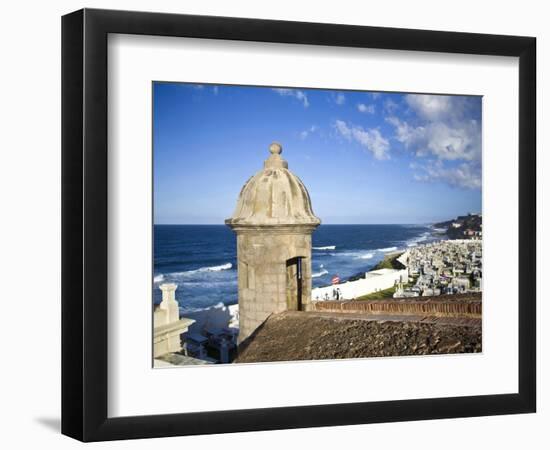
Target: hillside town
<point>469,226</point>
<point>445,267</point>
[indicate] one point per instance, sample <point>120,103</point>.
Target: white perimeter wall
<point>364,286</point>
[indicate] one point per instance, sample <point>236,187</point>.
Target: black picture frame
<point>84,224</point>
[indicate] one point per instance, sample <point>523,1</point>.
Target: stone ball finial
<point>275,148</point>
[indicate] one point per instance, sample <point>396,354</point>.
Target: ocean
<point>201,259</point>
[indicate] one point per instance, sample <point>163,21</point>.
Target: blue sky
<point>365,157</point>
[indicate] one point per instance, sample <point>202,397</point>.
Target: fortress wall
<point>441,306</point>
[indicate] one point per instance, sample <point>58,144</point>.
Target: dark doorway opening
<point>294,284</point>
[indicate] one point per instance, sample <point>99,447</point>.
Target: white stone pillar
<point>169,303</point>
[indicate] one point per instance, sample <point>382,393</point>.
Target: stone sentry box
<point>273,221</point>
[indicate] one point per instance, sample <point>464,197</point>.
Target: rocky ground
<point>293,336</point>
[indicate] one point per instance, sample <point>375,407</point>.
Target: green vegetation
<point>390,262</point>
<point>386,293</point>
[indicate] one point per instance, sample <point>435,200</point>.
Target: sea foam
<point>189,273</point>
<point>219,268</point>
<point>158,278</point>
<point>319,274</point>
<point>366,256</point>
<point>415,241</point>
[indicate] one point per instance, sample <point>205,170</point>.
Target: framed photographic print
<point>273,224</point>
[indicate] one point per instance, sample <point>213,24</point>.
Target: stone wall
<point>468,305</point>
<point>264,284</point>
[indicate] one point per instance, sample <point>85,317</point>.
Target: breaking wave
<point>415,241</point>
<point>327,247</point>
<point>387,249</point>
<point>319,274</point>
<point>219,268</point>
<point>189,273</point>
<point>366,256</point>
<point>357,254</point>
<point>158,278</point>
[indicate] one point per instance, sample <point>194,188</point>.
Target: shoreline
<point>388,261</point>
<point>393,270</point>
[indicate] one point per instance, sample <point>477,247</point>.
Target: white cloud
<point>367,109</point>
<point>305,133</point>
<point>430,107</point>
<point>443,129</point>
<point>343,129</point>
<point>390,106</point>
<point>446,141</point>
<point>465,175</point>
<point>370,139</point>
<point>437,107</point>
<point>340,99</point>
<point>300,95</point>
